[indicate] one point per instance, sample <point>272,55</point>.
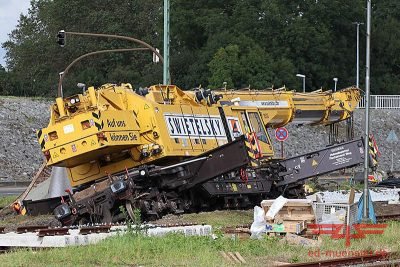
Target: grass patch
<point>172,250</point>
<point>388,241</point>
<point>331,185</point>
<point>177,250</point>
<point>5,201</point>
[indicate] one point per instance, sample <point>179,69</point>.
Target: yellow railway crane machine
<point>161,149</point>
<point>164,150</point>
<point>114,128</point>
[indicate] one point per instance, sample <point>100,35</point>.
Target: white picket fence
<point>381,102</point>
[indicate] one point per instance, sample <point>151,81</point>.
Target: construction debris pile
<point>282,216</point>
<point>299,219</point>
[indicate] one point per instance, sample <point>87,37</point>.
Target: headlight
<point>118,186</point>
<point>73,101</point>
<point>156,150</point>
<point>62,211</point>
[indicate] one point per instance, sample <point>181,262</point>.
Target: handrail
<point>381,102</point>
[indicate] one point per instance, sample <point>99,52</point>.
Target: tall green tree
<point>33,54</point>
<point>225,67</point>
<point>256,43</point>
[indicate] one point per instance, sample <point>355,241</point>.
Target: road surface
<point>11,190</point>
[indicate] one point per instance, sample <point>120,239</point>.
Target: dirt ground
<point>225,218</point>
<point>11,221</point>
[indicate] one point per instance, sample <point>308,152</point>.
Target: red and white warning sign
<point>234,127</point>
<point>281,134</point>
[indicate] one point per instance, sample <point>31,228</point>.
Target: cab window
<point>245,122</point>
<point>258,127</point>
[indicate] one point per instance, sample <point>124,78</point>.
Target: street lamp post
<point>366,134</point>
<point>304,81</point>
<point>335,80</point>
<point>166,74</point>
<point>61,94</point>
<point>358,53</point>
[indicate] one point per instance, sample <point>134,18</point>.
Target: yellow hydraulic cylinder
<point>92,95</point>
<point>60,106</point>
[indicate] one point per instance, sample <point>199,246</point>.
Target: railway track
<point>383,259</point>
<point>89,228</point>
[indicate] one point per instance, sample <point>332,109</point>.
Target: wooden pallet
<point>292,218</point>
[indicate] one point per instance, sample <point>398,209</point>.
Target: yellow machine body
<point>113,128</point>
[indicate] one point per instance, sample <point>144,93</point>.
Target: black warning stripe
<point>253,161</point>
<point>372,146</point>
<point>39,134</point>
<point>42,144</point>
<point>96,117</point>
<point>99,127</point>
<point>372,152</point>
<point>373,161</point>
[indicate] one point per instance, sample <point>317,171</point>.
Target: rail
<point>381,102</point>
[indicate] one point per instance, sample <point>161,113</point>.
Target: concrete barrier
<point>32,240</point>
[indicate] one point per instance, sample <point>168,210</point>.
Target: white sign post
<point>281,134</point>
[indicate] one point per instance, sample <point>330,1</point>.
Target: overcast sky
<point>9,16</point>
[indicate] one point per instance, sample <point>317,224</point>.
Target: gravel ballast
<point>20,118</point>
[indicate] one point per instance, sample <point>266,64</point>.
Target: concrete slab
<point>32,240</point>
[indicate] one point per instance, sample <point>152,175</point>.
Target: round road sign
<point>281,134</point>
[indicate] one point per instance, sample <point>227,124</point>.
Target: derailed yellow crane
<point>164,150</point>
<point>161,149</point>
<point>113,128</point>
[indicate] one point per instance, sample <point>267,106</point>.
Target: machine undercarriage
<point>198,185</point>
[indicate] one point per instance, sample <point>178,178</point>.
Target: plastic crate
<point>332,213</point>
